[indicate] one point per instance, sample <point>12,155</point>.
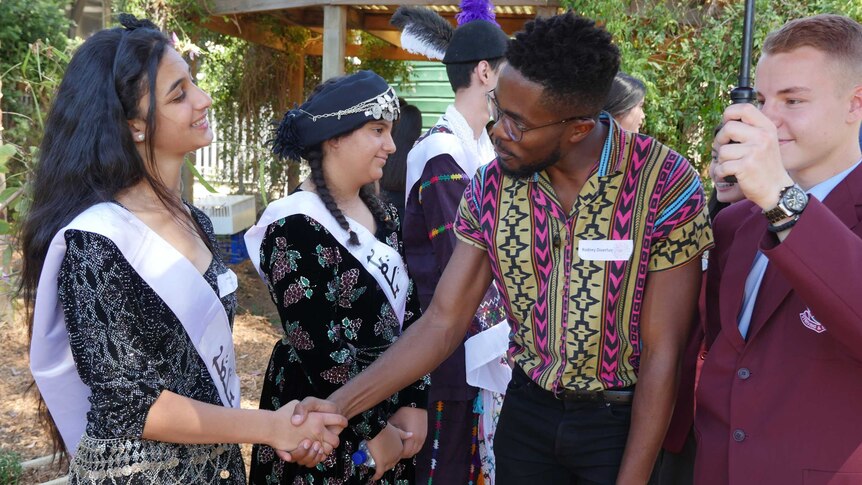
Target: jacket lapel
<point>736,269</point>
<point>845,201</point>
<point>774,289</point>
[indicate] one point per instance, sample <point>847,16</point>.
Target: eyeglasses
<point>514,131</point>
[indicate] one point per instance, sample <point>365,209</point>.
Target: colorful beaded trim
<point>475,461</point>
<point>438,424</point>
<point>475,477</point>
<point>440,178</point>
<point>440,230</point>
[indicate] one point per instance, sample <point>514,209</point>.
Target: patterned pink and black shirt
<point>576,321</point>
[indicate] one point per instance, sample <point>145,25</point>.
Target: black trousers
<point>542,440</point>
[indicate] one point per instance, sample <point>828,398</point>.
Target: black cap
<point>341,106</point>
<point>476,41</point>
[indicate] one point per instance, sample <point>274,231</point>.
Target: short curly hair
<point>570,57</point>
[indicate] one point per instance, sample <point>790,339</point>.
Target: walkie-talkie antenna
<point>743,92</point>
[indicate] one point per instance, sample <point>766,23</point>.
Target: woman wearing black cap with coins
<point>331,256</point>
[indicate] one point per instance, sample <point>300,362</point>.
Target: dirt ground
<point>255,331</point>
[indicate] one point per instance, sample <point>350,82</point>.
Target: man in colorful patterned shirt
<point>594,236</point>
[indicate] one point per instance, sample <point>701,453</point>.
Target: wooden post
<point>106,14</point>
<point>334,40</point>
<point>296,83</point>
<point>546,11</point>
<point>76,14</point>
<point>2,175</point>
<point>295,92</point>
<point>7,311</point>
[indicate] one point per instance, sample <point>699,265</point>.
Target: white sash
<point>468,153</point>
<point>382,261</point>
<point>485,356</point>
<point>174,279</point>
<point>487,369</point>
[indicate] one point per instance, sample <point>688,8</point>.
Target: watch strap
<point>776,214</point>
<point>783,227</point>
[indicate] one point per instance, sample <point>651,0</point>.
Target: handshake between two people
<point>316,423</point>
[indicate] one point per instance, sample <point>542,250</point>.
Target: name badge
<point>605,250</point>
<point>227,283</point>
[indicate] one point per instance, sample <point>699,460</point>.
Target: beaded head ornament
<point>339,107</point>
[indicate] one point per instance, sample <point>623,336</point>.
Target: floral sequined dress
<point>128,347</point>
<point>336,321</point>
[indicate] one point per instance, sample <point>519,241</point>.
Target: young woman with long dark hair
<point>132,308</point>
<point>331,256</point>
<point>626,102</point>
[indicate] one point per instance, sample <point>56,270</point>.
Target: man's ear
<point>580,129</point>
<point>855,113</point>
<point>138,129</point>
<point>484,72</point>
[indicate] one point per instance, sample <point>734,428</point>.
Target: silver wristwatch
<point>792,200</point>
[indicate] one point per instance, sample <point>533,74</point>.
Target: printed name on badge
<point>227,283</point>
<point>605,250</point>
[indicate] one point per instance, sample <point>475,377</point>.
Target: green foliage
<point>688,55</point>
<point>169,15</point>
<point>391,71</point>
<point>34,51</point>
<point>10,468</point>
<point>26,21</point>
<point>28,88</point>
<point>6,154</point>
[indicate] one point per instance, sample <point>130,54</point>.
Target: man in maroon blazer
<point>780,395</point>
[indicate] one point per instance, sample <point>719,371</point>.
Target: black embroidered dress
<point>128,347</point>
<point>336,321</point>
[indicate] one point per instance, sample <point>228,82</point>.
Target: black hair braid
<point>377,207</point>
<point>314,157</point>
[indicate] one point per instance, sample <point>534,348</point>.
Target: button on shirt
<point>758,268</point>
<point>575,318</point>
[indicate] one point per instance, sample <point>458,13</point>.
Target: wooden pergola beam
<point>380,22</point>
<point>226,7</point>
<point>312,19</point>
<point>315,48</point>
<point>252,32</point>
<point>242,18</point>
<point>247,30</point>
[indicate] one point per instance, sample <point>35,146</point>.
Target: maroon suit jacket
<point>682,419</point>
<point>785,406</point>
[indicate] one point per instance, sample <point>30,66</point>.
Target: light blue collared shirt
<point>758,268</point>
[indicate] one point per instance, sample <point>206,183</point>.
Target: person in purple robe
<point>439,168</point>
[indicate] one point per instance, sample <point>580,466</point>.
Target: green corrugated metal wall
<point>429,91</point>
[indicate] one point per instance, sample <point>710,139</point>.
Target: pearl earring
<point>140,137</point>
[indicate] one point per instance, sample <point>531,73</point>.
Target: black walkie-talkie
<point>743,92</point>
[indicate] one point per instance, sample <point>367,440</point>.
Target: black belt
<point>623,396</point>
<point>616,396</point>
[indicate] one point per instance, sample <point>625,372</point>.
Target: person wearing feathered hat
<point>439,167</point>
<point>330,255</point>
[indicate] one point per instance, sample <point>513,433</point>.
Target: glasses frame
<point>511,127</point>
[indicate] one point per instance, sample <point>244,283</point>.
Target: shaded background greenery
<point>687,53</point>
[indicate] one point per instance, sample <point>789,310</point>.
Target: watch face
<point>794,199</point>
